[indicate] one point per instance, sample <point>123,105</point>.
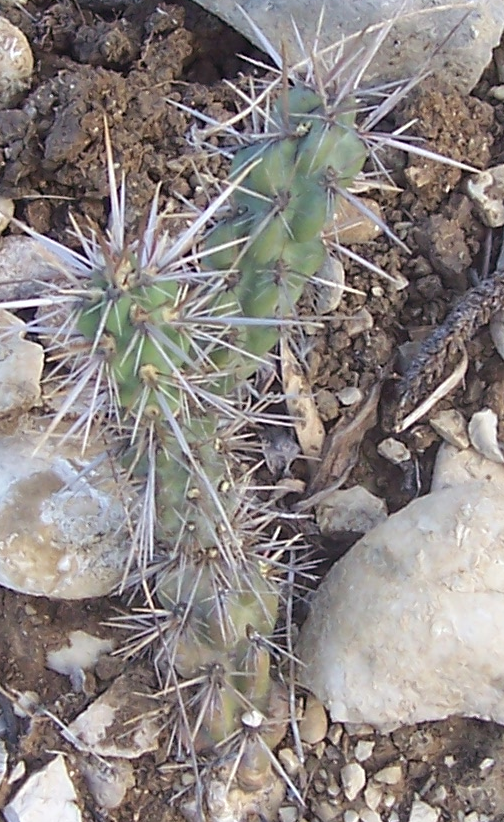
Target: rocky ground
<point>91,61</point>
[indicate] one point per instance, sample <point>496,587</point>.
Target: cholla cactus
<point>162,334</point>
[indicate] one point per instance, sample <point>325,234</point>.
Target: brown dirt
<point>93,62</point>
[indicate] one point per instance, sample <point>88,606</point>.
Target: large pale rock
<point>19,254</point>
<point>46,795</point>
<point>407,626</point>
<point>62,534</point>
<point>21,363</point>
<point>421,27</point>
<point>16,62</point>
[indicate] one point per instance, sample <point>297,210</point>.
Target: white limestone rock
<point>455,467</point>
<point>107,728</point>
<point>79,654</point>
<point>16,63</point>
<point>407,626</point>
<point>46,795</point>
<point>62,534</point>
<point>19,254</point>
<point>6,212</point>
<point>21,363</point>
<point>486,190</point>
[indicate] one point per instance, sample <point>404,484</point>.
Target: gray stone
<point>406,627</point>
<point>353,779</point>
<point>6,212</point>
<point>452,427</point>
<point>16,63</point>
<point>108,783</point>
<point>19,254</point>
<point>454,467</point>
<point>486,190</point>
<point>422,812</point>
<point>421,26</point>
<point>46,795</point>
<point>62,534</point>
<point>21,363</point>
<point>354,510</point>
<point>107,728</point>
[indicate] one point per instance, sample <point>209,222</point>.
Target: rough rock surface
<point>119,723</point>
<point>21,363</point>
<point>422,26</point>
<point>407,626</point>
<point>48,794</point>
<point>61,535</point>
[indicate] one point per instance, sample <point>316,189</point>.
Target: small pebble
<point>288,814</point>
<point>352,509</point>
<point>352,225</point>
<point>390,775</point>
<point>350,816</point>
<point>289,761</point>
<point>367,815</point>
<point>486,190</point>
<point>497,332</point>
<point>359,322</point>
<point>364,749</point>
<point>349,396</point>
<point>497,92</point>
<point>394,451</point>
<point>108,784</point>
<point>329,289</point>
<point>486,764</point>
<point>325,811</point>
<point>334,733</point>
<point>16,63</point>
<point>422,812</point>
<point>452,427</point>
<point>372,795</point>
<point>6,212</point>
<point>313,725</point>
<point>353,779</point>
<point>482,431</point>
<point>359,729</point>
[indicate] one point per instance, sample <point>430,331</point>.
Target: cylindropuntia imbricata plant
<point>161,335</point>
